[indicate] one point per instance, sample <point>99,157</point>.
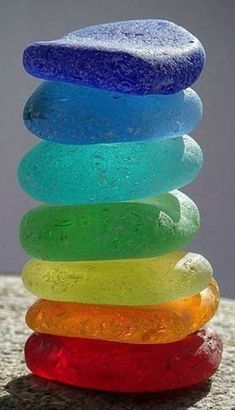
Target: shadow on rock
<point>34,393</point>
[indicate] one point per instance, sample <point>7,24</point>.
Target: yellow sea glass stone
<point>162,323</point>
<point>119,282</point>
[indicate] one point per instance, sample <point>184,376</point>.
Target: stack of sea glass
<point>122,306</point>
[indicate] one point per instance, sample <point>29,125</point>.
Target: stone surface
<point>124,367</point>
<point>68,174</point>
<point>137,57</point>
<point>134,229</point>
<point>72,114</point>
<point>120,282</point>
<point>20,390</point>
<point>163,323</point>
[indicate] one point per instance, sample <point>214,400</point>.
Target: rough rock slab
<point>19,390</point>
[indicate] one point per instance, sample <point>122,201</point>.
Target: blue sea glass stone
<point>135,57</point>
<point>88,174</point>
<point>73,114</point>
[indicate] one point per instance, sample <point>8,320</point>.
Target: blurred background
<point>212,21</point>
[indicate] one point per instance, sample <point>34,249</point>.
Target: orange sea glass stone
<point>162,323</point>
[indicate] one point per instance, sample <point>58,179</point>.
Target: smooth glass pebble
<point>124,367</point>
<point>163,323</point>
<point>72,114</point>
<point>134,229</point>
<point>120,282</point>
<point>135,56</point>
<point>68,174</point>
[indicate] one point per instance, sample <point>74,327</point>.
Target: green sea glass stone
<point>119,282</point>
<point>133,229</point>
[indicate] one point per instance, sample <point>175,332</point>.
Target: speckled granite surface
<point>19,390</point>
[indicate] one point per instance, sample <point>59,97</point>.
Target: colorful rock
<point>135,56</point>
<point>69,114</point>
<point>68,174</point>
<point>124,367</point>
<point>122,306</point>
<point>163,323</point>
<point>120,282</point>
<point>133,229</point>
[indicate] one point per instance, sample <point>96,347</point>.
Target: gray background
<point>212,21</point>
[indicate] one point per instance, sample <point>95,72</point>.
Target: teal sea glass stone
<point>88,174</point>
<point>73,114</point>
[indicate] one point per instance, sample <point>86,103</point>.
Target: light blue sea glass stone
<point>86,174</point>
<point>72,114</point>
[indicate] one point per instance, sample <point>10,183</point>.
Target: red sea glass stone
<point>123,367</point>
